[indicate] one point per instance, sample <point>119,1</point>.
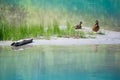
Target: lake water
<point>86,62</point>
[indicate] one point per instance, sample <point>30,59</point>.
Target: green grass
<point>19,22</point>
<point>91,33</point>
<point>8,32</point>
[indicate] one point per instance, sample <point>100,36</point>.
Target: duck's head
<point>97,22</point>
<point>80,22</point>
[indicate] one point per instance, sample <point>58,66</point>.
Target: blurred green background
<point>107,11</point>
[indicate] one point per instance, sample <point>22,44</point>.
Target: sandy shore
<point>110,37</point>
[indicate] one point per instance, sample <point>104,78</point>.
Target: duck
<point>79,26</point>
<point>96,26</point>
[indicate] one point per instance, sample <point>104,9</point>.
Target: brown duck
<point>79,26</point>
<point>96,26</point>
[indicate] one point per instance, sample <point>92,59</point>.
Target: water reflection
<point>20,47</point>
<point>96,48</point>
<point>61,63</point>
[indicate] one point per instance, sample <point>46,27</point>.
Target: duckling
<point>96,26</point>
<point>79,26</point>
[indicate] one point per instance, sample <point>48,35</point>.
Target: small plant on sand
<point>101,33</point>
<point>91,33</point>
<point>82,34</point>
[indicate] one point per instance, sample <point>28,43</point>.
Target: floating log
<point>22,42</point>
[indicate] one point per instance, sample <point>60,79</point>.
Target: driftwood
<point>22,42</point>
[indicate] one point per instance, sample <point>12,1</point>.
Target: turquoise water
<point>92,62</point>
<point>98,7</point>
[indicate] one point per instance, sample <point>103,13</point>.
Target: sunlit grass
<point>91,33</point>
<point>8,32</point>
<point>18,32</point>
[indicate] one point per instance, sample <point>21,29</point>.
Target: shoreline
<point>110,37</point>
